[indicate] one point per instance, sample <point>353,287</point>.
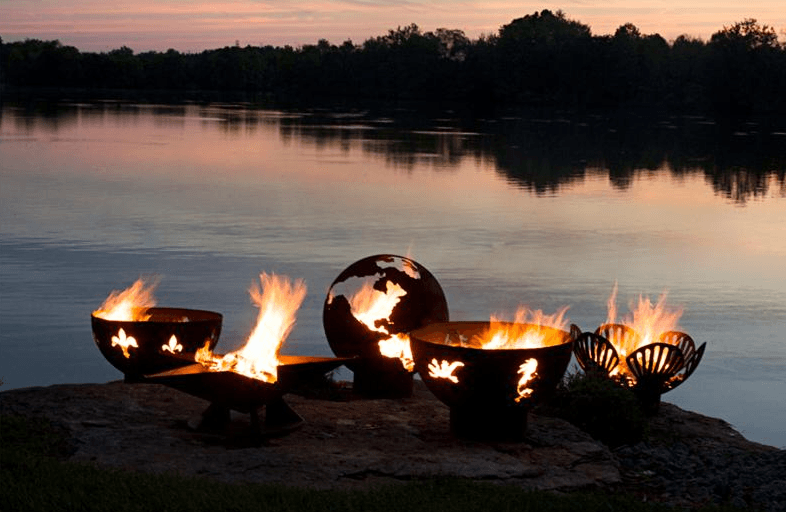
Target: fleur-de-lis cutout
<point>173,347</point>
<point>444,370</point>
<point>528,372</point>
<point>125,342</point>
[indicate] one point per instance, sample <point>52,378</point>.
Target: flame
<point>647,320</point>
<point>173,347</point>
<point>370,306</point>
<point>528,371</point>
<point>444,370</point>
<point>278,300</point>
<point>125,342</point>
<point>530,329</point>
<point>398,346</point>
<point>130,304</point>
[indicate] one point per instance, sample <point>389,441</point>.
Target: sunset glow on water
<point>97,195</point>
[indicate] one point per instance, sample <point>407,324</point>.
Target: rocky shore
<point>686,460</point>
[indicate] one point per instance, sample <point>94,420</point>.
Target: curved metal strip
<point>619,335</point>
<point>681,340</point>
<point>575,332</point>
<point>655,361</point>
<point>593,351</point>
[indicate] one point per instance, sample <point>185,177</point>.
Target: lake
<point>543,210</point>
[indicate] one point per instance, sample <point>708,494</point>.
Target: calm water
<point>503,211</point>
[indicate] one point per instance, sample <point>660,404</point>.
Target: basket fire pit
<point>650,370</point>
<point>489,390</point>
<point>644,352</point>
<point>369,310</point>
<point>159,339</point>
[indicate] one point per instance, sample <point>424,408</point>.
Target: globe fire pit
<point>138,338</point>
<point>370,309</point>
<point>489,385</point>
<point>645,353</point>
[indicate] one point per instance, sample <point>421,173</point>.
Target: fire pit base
<point>279,420</point>
<point>390,380</point>
<point>489,423</point>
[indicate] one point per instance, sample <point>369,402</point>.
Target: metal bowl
<point>168,339</point>
<point>488,391</point>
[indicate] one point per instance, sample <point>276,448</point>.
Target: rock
<point>687,459</point>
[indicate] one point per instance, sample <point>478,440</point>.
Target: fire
<point>444,370</point>
<point>125,342</point>
<point>130,304</point>
<point>530,329</point>
<point>370,306</point>
<point>173,347</point>
<point>528,371</point>
<point>647,320</point>
<point>398,346</point>
<point>278,300</point>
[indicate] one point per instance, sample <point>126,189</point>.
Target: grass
<point>35,477</point>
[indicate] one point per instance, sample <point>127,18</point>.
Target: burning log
<point>370,309</point>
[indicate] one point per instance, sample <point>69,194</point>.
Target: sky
<point>196,25</point>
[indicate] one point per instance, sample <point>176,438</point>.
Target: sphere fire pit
<point>370,308</point>
<point>489,391</point>
<point>166,338</point>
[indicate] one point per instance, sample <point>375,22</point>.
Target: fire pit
<point>645,353</point>
<point>231,391</point>
<point>490,390</point>
<point>256,375</point>
<point>650,370</point>
<point>166,338</point>
<point>370,308</point>
<point>138,338</point>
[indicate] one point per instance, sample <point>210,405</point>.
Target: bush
<point>600,407</point>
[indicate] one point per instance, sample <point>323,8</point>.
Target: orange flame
<point>647,320</point>
<point>278,300</point>
<point>124,342</point>
<point>173,347</point>
<point>530,329</point>
<point>528,371</point>
<point>444,370</point>
<point>398,346</point>
<point>370,305</point>
<point>130,304</point>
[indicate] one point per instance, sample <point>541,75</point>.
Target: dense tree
<point>543,58</point>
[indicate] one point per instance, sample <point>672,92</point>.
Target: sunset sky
<point>195,25</point>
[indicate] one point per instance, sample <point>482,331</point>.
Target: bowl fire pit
<point>159,339</point>
<point>489,390</point>
<point>370,308</point>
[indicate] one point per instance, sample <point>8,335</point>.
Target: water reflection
<point>542,155</point>
<point>545,211</point>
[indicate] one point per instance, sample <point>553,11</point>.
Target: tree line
<point>542,59</point>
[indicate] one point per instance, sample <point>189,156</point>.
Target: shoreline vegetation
<point>543,59</point>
